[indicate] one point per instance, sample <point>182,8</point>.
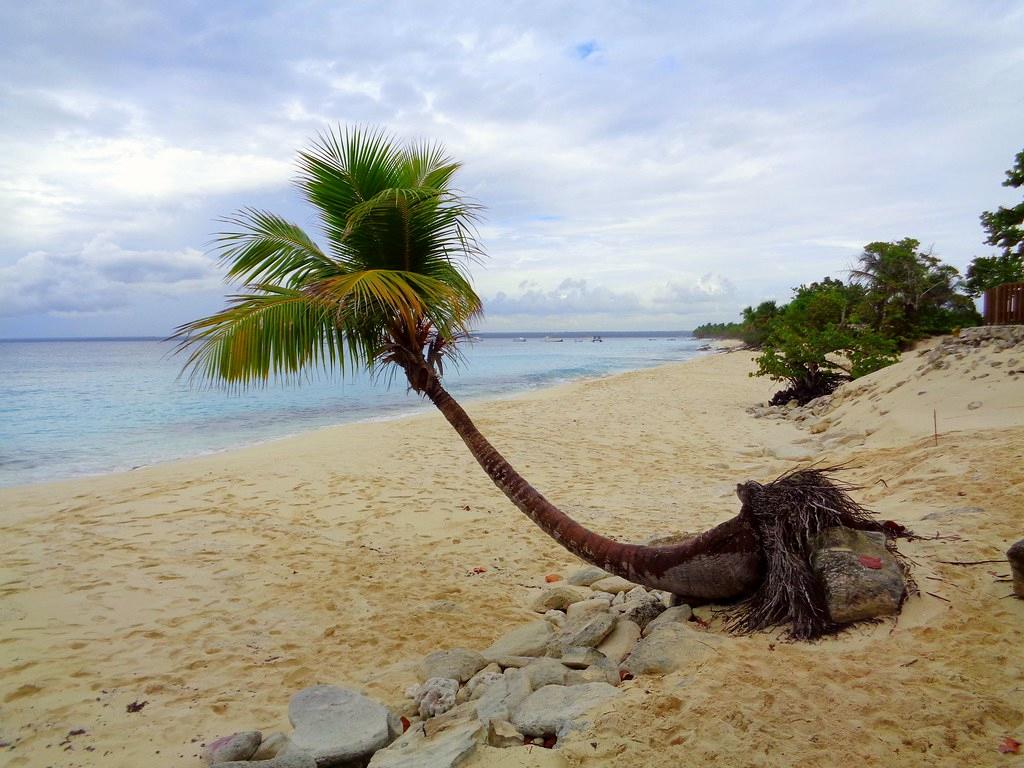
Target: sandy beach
<point>213,589</point>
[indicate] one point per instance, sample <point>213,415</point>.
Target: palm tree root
<point>786,516</point>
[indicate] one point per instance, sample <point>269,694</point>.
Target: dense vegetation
<point>832,331</point>
<point>1005,228</point>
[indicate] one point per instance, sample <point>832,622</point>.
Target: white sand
<point>214,588</point>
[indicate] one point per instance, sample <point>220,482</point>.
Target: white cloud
<point>570,297</point>
<point>708,288</point>
<point>101,277</point>
<point>759,144</point>
<point>75,180</point>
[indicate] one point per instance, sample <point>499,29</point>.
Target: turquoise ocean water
<point>72,408</point>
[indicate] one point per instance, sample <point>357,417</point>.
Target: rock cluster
<point>999,338</point>
<point>538,682</point>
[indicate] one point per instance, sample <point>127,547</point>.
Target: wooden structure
<point>1004,304</point>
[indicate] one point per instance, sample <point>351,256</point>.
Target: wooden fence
<point>1004,305</point>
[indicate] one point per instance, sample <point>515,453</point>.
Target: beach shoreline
<point>290,418</point>
<point>420,407</point>
<point>213,588</point>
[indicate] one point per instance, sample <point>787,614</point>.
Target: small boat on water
<point>597,338</point>
<point>519,338</point>
<point>552,338</point>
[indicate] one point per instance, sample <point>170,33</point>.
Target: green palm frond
<point>276,333</point>
<point>264,248</point>
<point>393,275</point>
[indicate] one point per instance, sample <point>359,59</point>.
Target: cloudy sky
<point>643,164</point>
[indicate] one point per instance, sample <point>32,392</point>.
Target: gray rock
<point>558,598</point>
<point>296,758</point>
<point>587,608</point>
<point>859,576</point>
<point>460,714</point>
<point>556,618</point>
<point>584,633</point>
<point>586,576</point>
<point>528,640</point>
<point>337,725</point>
<point>445,749</point>
<point>544,671</point>
<point>458,664</point>
<point>517,662</point>
<point>1015,554</point>
<point>436,696</point>
<point>612,585</point>
<point>482,679</point>
<point>580,658</point>
<point>641,612</point>
<point>593,674</point>
<point>663,597</point>
<point>620,641</point>
<point>677,614</point>
<point>486,683</point>
<point>272,745</point>
<point>636,593</point>
<point>237,746</point>
<point>555,709</point>
<point>501,733</point>
<point>503,696</point>
<point>668,648</point>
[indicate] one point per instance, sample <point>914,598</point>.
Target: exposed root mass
<point>787,514</point>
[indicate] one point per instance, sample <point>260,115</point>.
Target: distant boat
<point>597,338</point>
<point>519,338</point>
<point>552,338</point>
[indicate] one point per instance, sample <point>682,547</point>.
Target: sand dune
<point>213,589</point>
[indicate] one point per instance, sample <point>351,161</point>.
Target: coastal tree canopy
<point>816,342</point>
<point>1005,228</point>
<point>910,293</point>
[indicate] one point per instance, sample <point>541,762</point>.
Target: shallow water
<point>80,407</point>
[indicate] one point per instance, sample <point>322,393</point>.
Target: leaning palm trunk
<point>763,554</point>
<point>724,562</point>
<point>389,290</point>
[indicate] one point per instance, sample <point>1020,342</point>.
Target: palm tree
<point>390,291</point>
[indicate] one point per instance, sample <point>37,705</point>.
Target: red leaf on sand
<point>552,577</point>
<point>1009,746</point>
<point>875,563</point>
<point>405,723</point>
<point>624,675</point>
<point>478,569</point>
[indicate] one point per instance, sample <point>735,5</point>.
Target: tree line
<point>833,331</point>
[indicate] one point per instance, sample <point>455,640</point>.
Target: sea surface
<point>82,407</point>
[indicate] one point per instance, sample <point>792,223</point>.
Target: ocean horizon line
<point>479,334</point>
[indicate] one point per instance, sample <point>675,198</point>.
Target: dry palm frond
<point>787,515</point>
